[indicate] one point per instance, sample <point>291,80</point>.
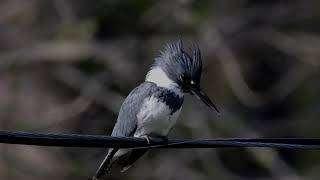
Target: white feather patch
<point>155,118</point>
<point>160,78</point>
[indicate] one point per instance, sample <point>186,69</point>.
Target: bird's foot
<point>164,139</point>
<point>147,138</point>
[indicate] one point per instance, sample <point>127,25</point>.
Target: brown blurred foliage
<point>66,67</point>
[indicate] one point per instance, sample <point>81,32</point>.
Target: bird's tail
<point>106,165</point>
<point>131,157</point>
<point>123,158</point>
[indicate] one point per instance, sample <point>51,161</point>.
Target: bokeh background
<point>66,67</point>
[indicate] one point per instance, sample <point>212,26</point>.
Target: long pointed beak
<point>201,95</point>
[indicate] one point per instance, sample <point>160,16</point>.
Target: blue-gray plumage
<point>127,120</point>
<point>152,108</point>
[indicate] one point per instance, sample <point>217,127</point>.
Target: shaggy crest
<point>178,65</point>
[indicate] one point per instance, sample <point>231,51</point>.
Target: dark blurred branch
<point>77,140</point>
<point>91,88</point>
<point>233,73</point>
<point>110,55</point>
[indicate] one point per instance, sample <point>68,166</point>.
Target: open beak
<point>204,98</point>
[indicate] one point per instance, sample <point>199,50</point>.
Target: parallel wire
<point>99,141</point>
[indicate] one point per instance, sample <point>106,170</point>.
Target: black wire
<point>98,141</point>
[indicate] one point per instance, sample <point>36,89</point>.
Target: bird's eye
<point>192,82</point>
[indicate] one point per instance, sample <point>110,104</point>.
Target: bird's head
<point>174,68</point>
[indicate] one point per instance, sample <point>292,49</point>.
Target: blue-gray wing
<point>126,125</point>
<point>127,119</point>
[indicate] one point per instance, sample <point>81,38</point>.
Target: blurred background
<point>66,67</point>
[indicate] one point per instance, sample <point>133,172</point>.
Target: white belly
<point>155,118</point>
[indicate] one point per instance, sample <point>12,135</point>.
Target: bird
<point>152,109</point>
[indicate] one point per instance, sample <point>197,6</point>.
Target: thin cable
<point>235,143</point>
<point>98,141</point>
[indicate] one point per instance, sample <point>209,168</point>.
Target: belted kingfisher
<point>152,108</point>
